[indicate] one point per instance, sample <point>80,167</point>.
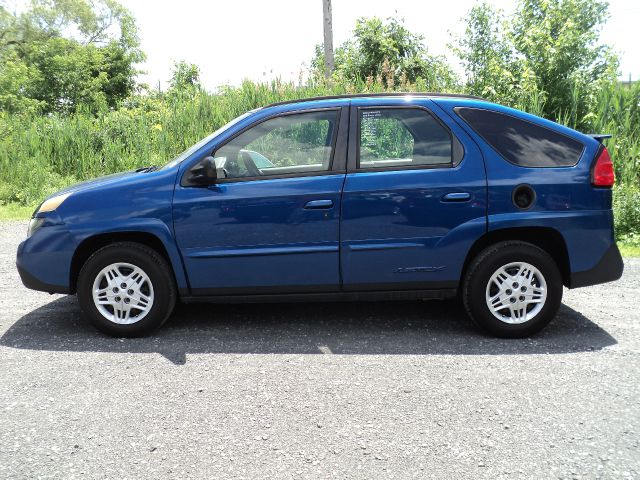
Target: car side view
<point>385,196</point>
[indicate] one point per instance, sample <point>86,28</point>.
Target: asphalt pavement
<point>318,390</point>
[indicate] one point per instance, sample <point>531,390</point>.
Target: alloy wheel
<point>123,293</point>
<point>516,292</point>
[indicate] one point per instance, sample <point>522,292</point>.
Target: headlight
<point>34,224</point>
<point>53,203</point>
<point>47,206</point>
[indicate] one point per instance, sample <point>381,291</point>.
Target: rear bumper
<point>608,269</point>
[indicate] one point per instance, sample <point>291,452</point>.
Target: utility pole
<point>328,39</point>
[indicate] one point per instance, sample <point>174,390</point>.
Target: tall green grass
<point>615,111</point>
<point>618,113</point>
<point>41,154</point>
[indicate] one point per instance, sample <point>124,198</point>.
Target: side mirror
<point>202,174</point>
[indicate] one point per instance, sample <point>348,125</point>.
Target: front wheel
<point>512,289</point>
<point>126,289</point>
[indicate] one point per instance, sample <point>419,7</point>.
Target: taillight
<point>602,174</point>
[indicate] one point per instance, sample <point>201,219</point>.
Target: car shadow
<point>357,328</point>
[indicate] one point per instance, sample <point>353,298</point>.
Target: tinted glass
<point>288,144</point>
<point>521,142</point>
<point>402,137</point>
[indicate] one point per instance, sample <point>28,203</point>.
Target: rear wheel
<point>126,289</point>
<point>512,289</point>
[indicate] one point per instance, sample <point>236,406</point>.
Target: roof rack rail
<point>387,94</point>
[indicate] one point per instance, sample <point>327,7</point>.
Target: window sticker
<point>369,127</point>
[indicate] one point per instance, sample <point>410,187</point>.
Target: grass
<point>615,111</point>
<point>629,251</point>
<point>42,154</point>
<point>15,211</point>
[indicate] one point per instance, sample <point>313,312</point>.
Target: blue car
<point>391,196</point>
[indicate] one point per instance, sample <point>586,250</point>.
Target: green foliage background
<point>70,108</point>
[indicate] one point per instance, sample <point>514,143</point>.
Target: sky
<point>260,40</point>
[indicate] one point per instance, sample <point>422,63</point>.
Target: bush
<point>41,154</point>
<point>626,205</point>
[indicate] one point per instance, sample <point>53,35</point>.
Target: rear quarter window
<point>521,142</point>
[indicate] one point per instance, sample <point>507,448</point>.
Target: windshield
<point>206,140</point>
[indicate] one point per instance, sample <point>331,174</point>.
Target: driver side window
<point>289,144</point>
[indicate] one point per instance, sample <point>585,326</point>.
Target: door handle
<point>456,197</point>
<point>319,204</point>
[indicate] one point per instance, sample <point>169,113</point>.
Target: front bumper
<point>44,259</point>
<point>608,269</point>
<point>30,281</point>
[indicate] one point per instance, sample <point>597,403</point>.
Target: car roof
<point>448,101</point>
<point>377,95</point>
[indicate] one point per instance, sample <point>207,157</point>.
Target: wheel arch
<point>93,243</point>
<point>548,239</point>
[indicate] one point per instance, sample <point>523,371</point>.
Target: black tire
<point>153,265</point>
<point>479,273</point>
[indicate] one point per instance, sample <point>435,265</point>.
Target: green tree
<point>185,77</point>
<point>388,52</point>
<point>545,58</point>
<point>70,53</point>
<point>484,51</point>
<point>493,69</point>
<point>559,40</point>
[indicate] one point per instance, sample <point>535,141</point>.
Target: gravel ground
<point>346,390</point>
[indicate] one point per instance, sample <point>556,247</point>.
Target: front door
<point>414,199</point>
<point>271,223</point>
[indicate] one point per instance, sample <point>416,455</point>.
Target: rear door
<point>414,199</point>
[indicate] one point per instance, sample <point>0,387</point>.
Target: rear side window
<point>520,142</point>
<point>402,137</point>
